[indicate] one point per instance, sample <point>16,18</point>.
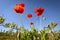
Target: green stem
<point>21,20</point>
<point>40,22</point>
<point>21,25</point>
<point>17,34</point>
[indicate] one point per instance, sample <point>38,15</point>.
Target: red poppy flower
<point>39,11</point>
<point>21,4</point>
<point>19,8</point>
<point>29,15</point>
<point>31,23</point>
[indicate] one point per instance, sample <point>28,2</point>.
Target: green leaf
<point>1,19</point>
<point>13,25</point>
<point>51,26</point>
<point>7,25</point>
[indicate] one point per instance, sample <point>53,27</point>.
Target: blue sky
<point>51,12</point>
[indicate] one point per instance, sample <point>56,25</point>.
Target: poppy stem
<point>40,21</point>
<point>21,20</point>
<point>32,26</point>
<point>21,25</point>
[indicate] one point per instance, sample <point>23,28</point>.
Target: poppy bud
<point>31,23</point>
